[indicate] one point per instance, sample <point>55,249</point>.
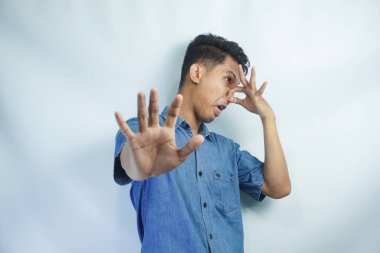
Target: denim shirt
<point>196,206</point>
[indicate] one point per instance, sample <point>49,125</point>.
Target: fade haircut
<point>211,50</point>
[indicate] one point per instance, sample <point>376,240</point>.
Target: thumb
<point>190,146</point>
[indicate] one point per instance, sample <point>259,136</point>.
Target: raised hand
<point>254,100</point>
<point>153,151</point>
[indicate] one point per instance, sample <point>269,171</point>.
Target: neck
<point>188,113</point>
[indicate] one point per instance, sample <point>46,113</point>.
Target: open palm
<point>153,151</point>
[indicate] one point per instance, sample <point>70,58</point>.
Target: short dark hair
<point>211,50</point>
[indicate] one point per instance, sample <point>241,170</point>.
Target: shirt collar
<point>182,122</point>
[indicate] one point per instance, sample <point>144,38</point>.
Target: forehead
<point>230,66</point>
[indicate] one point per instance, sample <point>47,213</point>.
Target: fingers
<point>243,80</point>
<point>232,98</point>
<point>252,79</point>
<point>233,90</point>
<point>173,112</point>
<point>153,108</point>
<point>190,146</point>
<point>123,126</point>
<point>141,111</point>
<point>262,88</point>
<point>236,100</point>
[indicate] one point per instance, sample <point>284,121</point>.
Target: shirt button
<point>204,204</point>
<point>210,236</point>
<point>200,173</point>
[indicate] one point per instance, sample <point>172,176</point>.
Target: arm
<point>276,178</point>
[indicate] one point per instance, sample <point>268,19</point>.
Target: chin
<point>208,120</point>
<point>208,117</point>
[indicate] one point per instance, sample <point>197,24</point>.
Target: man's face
<point>210,96</point>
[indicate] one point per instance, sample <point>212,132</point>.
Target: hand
<point>254,101</point>
<point>152,151</point>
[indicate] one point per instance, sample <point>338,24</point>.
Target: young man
<point>187,199</point>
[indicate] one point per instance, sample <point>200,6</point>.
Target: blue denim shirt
<point>195,207</point>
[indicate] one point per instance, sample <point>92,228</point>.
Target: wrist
<point>268,117</point>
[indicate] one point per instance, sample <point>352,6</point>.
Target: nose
<point>227,99</point>
<point>229,94</point>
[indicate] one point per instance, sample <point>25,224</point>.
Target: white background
<point>66,66</point>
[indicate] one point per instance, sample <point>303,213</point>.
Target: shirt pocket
<point>225,197</point>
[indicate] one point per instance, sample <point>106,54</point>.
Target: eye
<point>228,79</point>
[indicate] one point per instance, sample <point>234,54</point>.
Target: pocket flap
<point>224,176</point>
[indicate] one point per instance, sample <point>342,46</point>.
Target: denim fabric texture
<point>195,207</point>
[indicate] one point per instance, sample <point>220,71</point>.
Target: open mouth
<point>219,109</point>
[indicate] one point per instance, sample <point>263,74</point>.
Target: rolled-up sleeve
<point>119,174</point>
<point>250,171</point>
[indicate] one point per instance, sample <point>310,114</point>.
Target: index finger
<point>243,80</point>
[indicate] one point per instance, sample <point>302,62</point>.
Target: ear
<point>195,73</point>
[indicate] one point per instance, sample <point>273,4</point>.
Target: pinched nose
<point>229,94</point>
<point>227,98</point>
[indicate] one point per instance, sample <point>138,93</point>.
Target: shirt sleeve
<point>250,171</point>
<point>119,174</point>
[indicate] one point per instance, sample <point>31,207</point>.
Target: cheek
<point>209,95</point>
<point>203,97</point>
<point>223,88</point>
<point>218,89</point>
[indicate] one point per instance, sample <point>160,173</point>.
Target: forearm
<point>276,174</point>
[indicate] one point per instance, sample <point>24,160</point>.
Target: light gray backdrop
<point>66,66</point>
